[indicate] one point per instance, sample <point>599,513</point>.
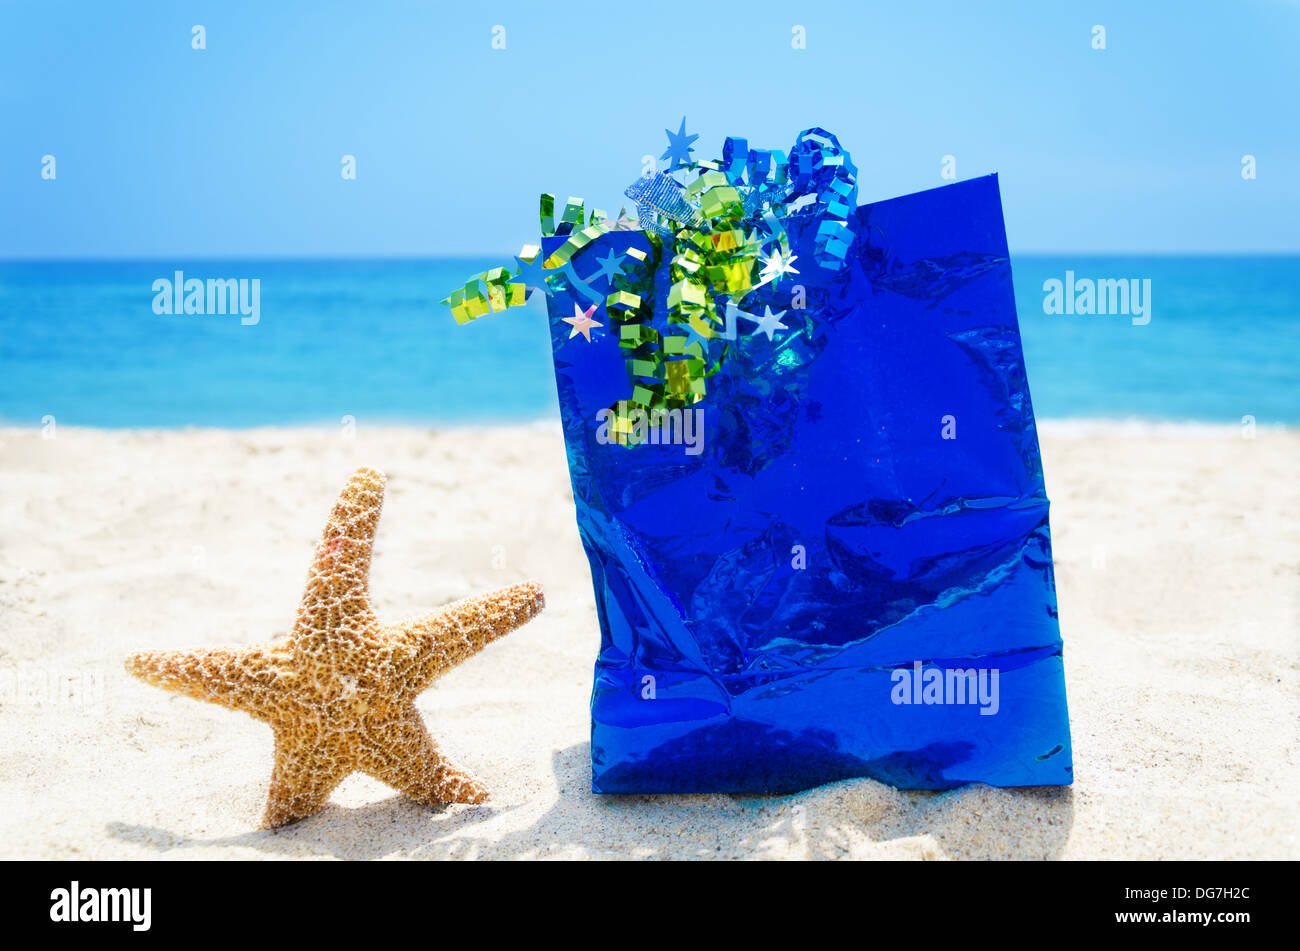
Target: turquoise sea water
<point>367,338</point>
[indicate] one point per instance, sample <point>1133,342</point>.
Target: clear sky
<point>236,150</point>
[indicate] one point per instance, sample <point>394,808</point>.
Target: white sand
<point>1178,567</point>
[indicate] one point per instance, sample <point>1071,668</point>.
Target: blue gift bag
<point>836,563</point>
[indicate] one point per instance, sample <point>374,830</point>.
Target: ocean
<point>367,339</point>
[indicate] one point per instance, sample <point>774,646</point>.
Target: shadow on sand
<point>838,820</point>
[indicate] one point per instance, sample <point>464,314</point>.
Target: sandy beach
<point>1177,552</point>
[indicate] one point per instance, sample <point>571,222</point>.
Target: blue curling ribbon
<point>757,169</point>
<point>735,159</point>
<point>821,168</point>
<point>818,179</point>
<point>767,166</point>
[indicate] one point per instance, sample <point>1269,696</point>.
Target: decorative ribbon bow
<point>721,224</point>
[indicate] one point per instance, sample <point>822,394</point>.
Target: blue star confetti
<point>679,148</point>
<point>611,266</point>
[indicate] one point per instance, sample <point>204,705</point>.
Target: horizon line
<point>153,257</point>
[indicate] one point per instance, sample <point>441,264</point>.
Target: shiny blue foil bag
<point>844,569</point>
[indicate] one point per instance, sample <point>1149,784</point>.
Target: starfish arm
<point>403,755</point>
<point>241,678</point>
<point>306,772</point>
<point>439,641</point>
<point>337,596</point>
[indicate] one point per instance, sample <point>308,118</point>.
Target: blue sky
<point>236,150</point>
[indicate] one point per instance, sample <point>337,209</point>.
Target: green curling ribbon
<point>548,215</point>
<point>576,242</point>
<point>713,229</point>
<point>470,302</point>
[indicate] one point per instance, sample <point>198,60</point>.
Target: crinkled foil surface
<point>857,532</point>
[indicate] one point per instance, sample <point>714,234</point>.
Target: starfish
<point>339,693</point>
<point>582,322</point>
